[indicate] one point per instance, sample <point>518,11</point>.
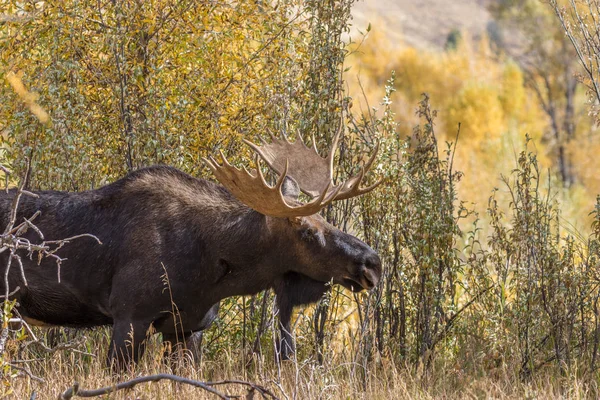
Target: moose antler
<point>313,173</point>
<point>252,190</point>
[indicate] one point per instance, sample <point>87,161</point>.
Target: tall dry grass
<point>337,378</point>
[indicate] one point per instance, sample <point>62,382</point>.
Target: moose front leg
<point>294,290</point>
<point>132,311</point>
<point>285,345</point>
<point>127,344</point>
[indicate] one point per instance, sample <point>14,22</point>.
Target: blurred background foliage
<point>479,85</point>
<point>487,221</point>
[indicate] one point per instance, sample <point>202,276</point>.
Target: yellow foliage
<point>132,83</point>
<point>478,109</point>
<point>471,85</point>
<point>513,91</point>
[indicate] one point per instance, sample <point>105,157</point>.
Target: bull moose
<point>173,246</point>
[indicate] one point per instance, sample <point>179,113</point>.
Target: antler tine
<point>259,151</point>
<point>314,143</point>
<point>373,186</point>
<point>210,162</point>
<point>281,179</point>
<point>224,158</point>
<point>259,171</point>
<point>327,197</point>
<point>353,183</point>
<point>300,138</point>
<point>334,146</point>
<point>351,187</point>
<point>372,158</point>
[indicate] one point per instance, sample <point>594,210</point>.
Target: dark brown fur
<point>159,224</point>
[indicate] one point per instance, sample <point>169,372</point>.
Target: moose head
<point>343,258</point>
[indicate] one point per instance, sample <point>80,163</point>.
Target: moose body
<point>173,246</point>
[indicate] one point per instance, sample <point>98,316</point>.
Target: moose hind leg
<point>127,344</point>
<point>190,340</point>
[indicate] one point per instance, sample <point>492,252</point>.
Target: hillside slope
<point>424,23</point>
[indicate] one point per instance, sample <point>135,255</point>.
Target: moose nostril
<point>367,270</point>
<point>371,278</point>
<point>372,270</point>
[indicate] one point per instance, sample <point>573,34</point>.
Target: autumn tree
<point>541,49</point>
<point>580,21</point>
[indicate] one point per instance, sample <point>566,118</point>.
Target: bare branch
<point>207,386</point>
<point>11,293</point>
<point>12,240</point>
<point>15,204</point>
<point>26,372</point>
<point>71,346</point>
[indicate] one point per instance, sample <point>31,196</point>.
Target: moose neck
<point>250,255</point>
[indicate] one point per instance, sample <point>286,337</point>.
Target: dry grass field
<point>337,378</point>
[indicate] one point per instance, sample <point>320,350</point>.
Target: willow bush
<point>134,83</point>
<point>546,284</point>
<point>414,224</point>
<point>522,298</point>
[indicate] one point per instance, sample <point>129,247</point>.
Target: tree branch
<point>74,391</point>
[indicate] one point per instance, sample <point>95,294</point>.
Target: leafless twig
<point>207,386</point>
<point>15,290</point>
<point>26,372</point>
<point>260,389</point>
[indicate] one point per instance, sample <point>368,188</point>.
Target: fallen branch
<point>26,372</point>
<point>75,391</point>
<point>70,346</point>
<point>260,389</point>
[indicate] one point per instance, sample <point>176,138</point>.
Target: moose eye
<point>309,234</point>
<point>313,235</point>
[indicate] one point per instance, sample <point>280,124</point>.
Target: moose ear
<point>290,188</point>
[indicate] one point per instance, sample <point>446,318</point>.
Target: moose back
<point>173,246</point>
